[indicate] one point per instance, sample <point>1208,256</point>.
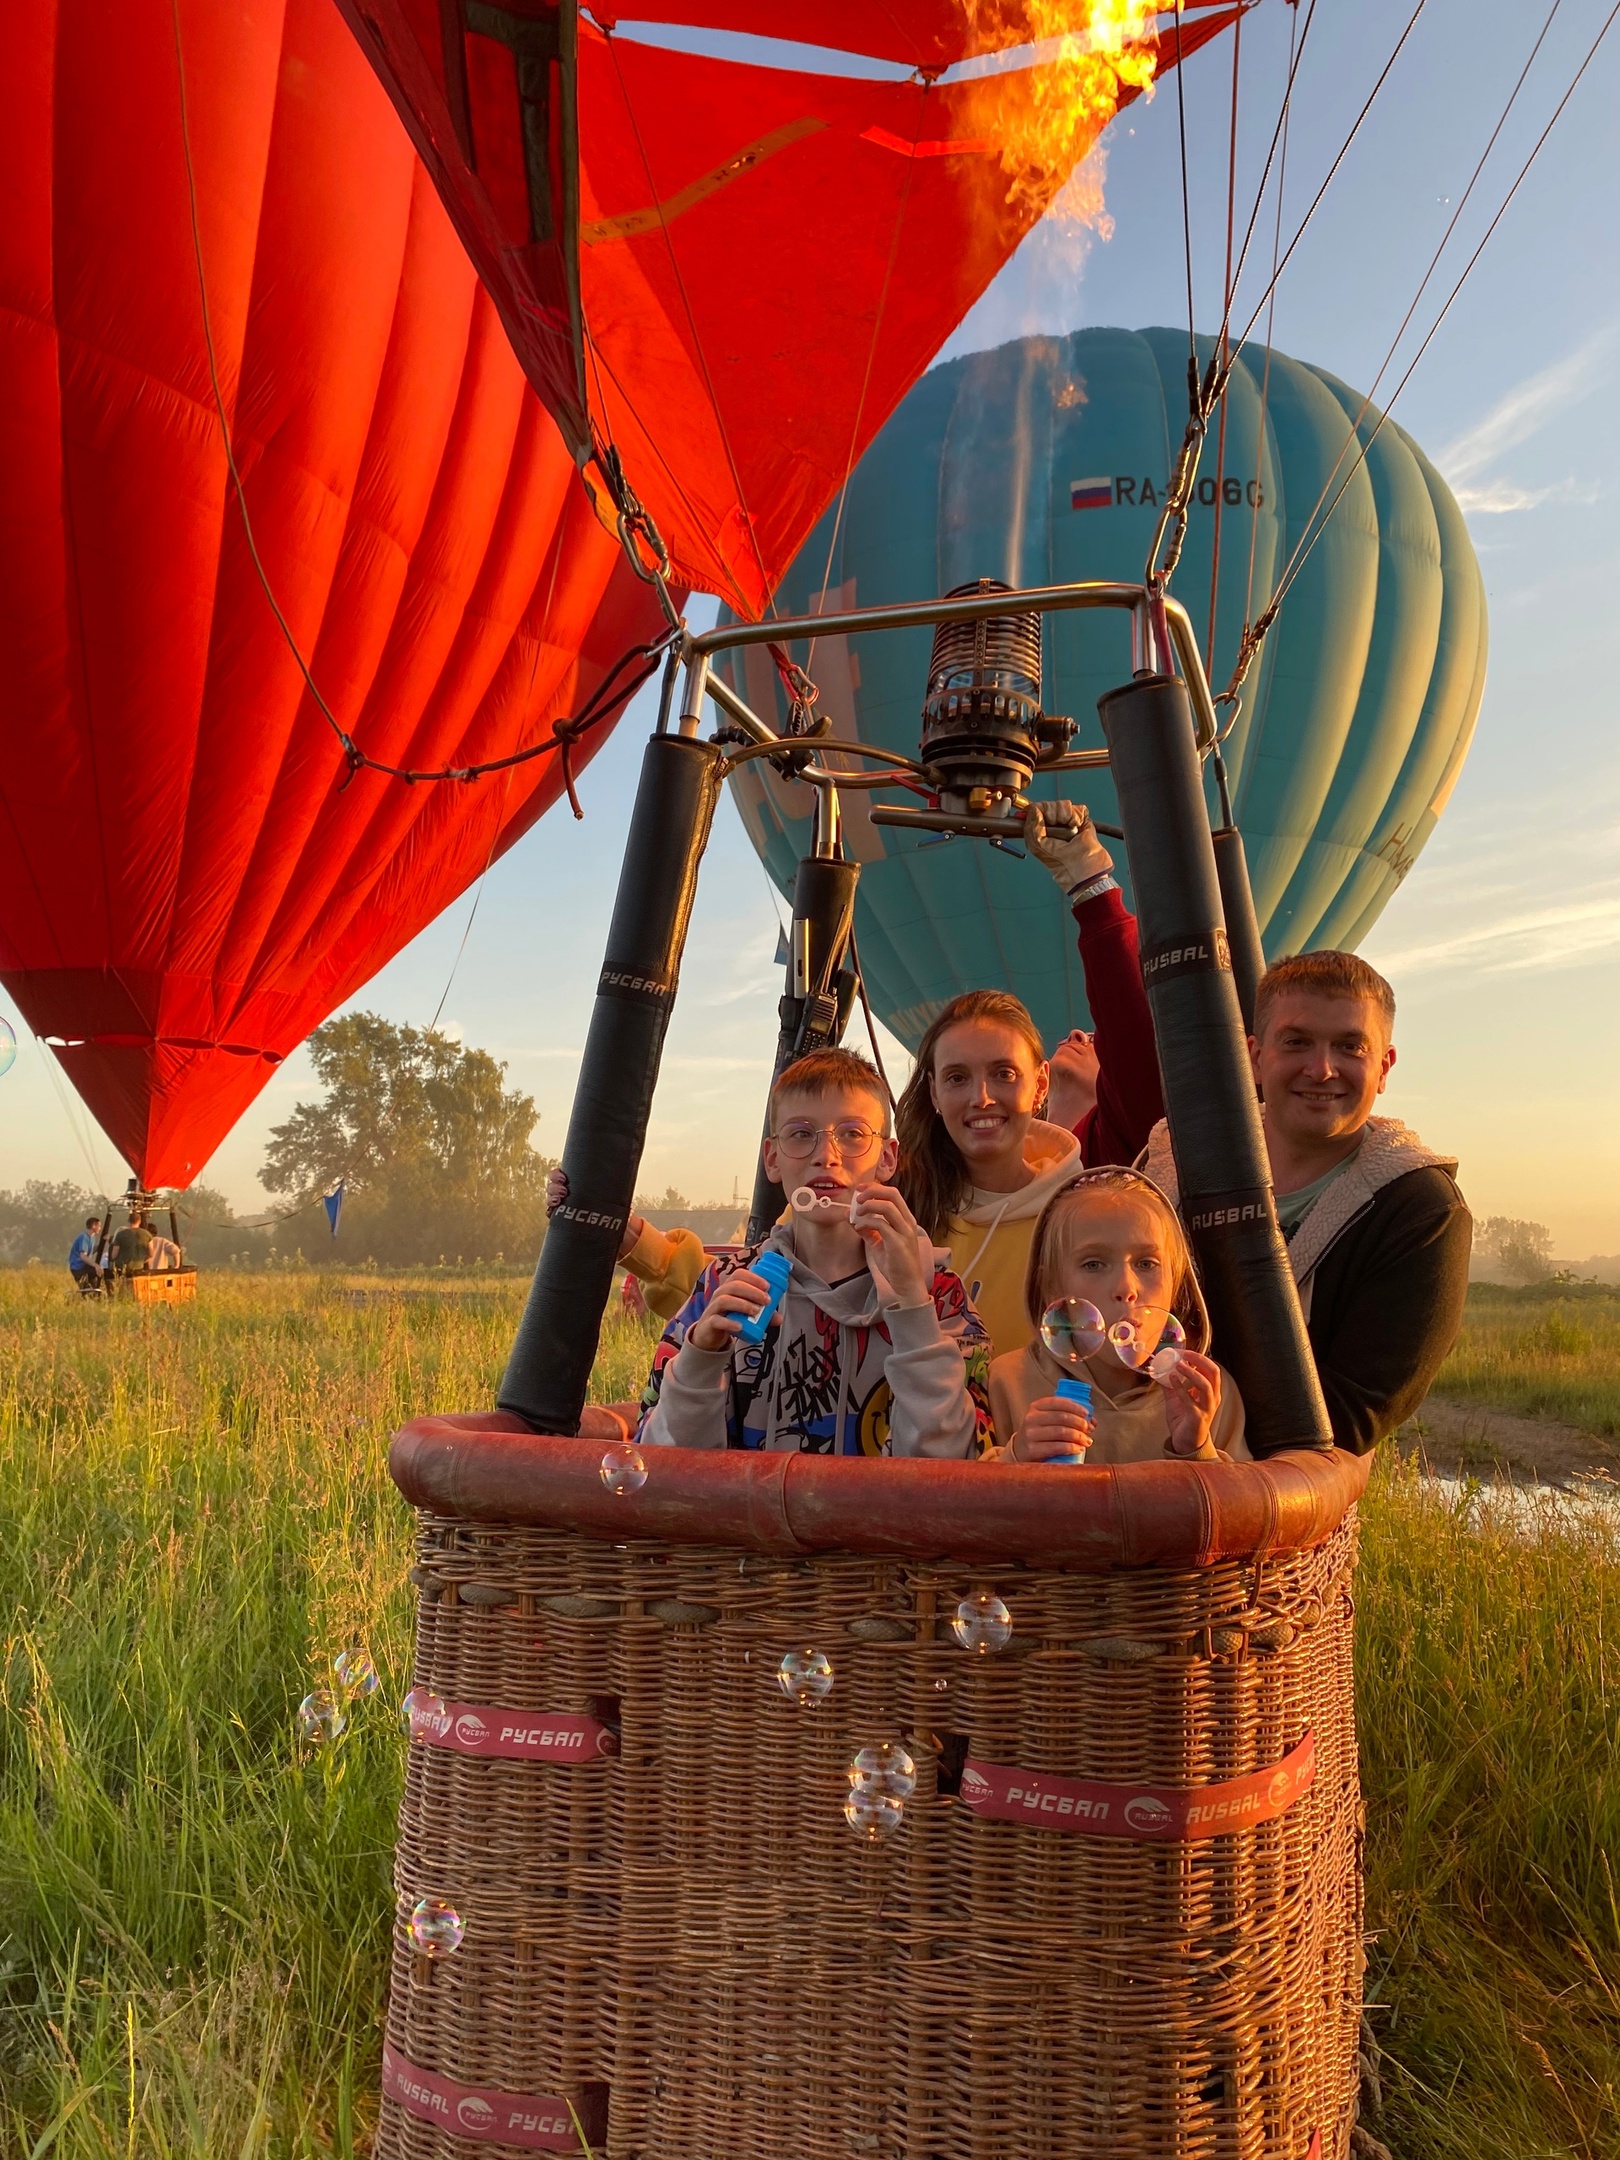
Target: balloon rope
<point>1279,134</point>
<point>1271,313</point>
<point>564,733</point>
<point>1344,151</point>
<point>866,1008</point>
<point>691,321</point>
<point>1221,345</point>
<point>1308,538</point>
<point>866,383</point>
<point>1186,220</point>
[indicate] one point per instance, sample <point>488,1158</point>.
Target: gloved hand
<point>1061,835</point>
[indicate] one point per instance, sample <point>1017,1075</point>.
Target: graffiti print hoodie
<point>843,1370</point>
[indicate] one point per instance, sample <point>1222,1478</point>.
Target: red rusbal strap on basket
<point>533,2122</point>
<point>1164,1814</point>
<point>517,1735</point>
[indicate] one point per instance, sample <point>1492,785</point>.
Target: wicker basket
<point>1121,1915</point>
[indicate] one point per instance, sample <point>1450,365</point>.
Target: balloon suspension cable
<point>1254,634</point>
<point>609,694</point>
<point>639,536</point>
<point>1278,145</point>
<point>802,694</point>
<point>871,1023</point>
<point>1204,395</point>
<point>1280,132</point>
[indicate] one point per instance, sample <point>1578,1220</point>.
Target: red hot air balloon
<point>727,276</point>
<point>187,886</point>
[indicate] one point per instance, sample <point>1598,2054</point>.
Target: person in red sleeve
<point>1104,1086</point>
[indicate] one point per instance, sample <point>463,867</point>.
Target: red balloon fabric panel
<point>766,258</point>
<point>186,885</point>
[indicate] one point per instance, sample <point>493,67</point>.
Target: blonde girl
<point>1110,1237</point>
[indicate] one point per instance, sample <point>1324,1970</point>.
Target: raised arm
<point>1129,1101</point>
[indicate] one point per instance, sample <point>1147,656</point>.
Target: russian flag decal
<point>1091,494</point>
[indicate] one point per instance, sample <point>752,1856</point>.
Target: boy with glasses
<point>873,1349</point>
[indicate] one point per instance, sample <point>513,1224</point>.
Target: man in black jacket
<point>1377,1231</point>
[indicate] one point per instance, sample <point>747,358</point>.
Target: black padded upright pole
<point>1215,1131</point>
<point>550,1366</point>
<point>1242,925</point>
<point>812,1012</point>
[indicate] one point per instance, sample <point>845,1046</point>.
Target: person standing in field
<point>1378,1233</point>
<point>82,1257</point>
<point>131,1246</point>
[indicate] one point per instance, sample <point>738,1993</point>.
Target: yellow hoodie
<point>990,1240</point>
<point>667,1264</point>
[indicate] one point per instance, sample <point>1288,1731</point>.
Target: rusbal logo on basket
<point>564,1736</point>
<point>475,2114</point>
<point>1005,1793</point>
<point>1147,1813</point>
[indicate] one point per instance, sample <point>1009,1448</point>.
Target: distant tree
<point>41,1222</point>
<point>209,1231</point>
<point>434,1152</point>
<point>668,1204</point>
<point>1522,1250</point>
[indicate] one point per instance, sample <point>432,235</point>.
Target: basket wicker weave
<point>675,1946</point>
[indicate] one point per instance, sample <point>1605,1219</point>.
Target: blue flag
<point>333,1204</point>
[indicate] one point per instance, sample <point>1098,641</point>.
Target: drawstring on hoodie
<point>978,1250</point>
<point>846,1353</point>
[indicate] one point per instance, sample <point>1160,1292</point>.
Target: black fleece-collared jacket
<point>1381,1262</point>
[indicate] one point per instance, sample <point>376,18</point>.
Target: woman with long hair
<point>978,1162</point>
<point>978,1158</point>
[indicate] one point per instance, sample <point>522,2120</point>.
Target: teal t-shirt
<point>1292,1208</point>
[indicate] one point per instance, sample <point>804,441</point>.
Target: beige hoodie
<point>990,1240</point>
<point>1128,1408</point>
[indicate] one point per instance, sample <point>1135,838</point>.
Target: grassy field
<point>195,1517</point>
<point>1551,1353</point>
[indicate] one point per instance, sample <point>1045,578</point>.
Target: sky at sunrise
<point>1502,944</point>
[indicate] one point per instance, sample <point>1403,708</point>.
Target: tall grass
<point>195,1516</point>
<point>1549,1351</point>
<point>1487,1657</point>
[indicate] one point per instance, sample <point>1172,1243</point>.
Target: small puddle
<point>1591,1503</point>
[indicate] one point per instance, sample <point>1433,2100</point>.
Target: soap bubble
<point>320,1717</point>
<point>354,1670</point>
<point>887,1768</point>
<point>1071,1329</point>
<point>435,1927</point>
<point>1149,1338</point>
<point>406,1708</point>
<point>8,1046</point>
<point>623,1470</point>
<point>983,1623</point>
<point>873,1815</point>
<point>805,1677</point>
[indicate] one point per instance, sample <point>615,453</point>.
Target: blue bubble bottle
<point>774,1268</point>
<point>1068,1390</point>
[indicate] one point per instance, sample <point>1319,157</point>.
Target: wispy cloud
<point>1540,938</point>
<point>1518,415</point>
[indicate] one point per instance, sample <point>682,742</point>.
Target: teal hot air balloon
<point>1046,460</point>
